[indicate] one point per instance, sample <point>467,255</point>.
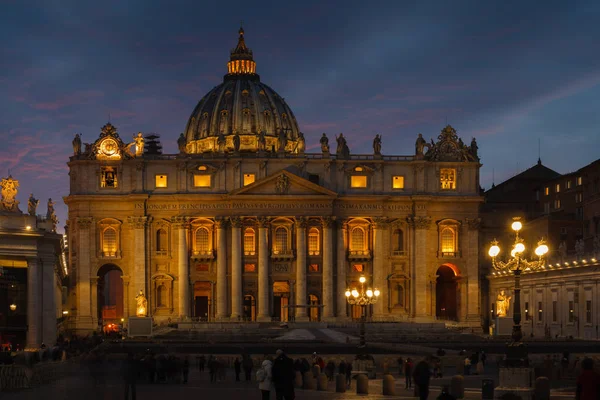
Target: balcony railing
<point>282,254</point>
<point>359,255</point>
<point>449,254</point>
<point>203,255</point>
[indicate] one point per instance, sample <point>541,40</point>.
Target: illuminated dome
<point>242,105</point>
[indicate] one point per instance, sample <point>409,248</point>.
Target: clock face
<point>109,147</point>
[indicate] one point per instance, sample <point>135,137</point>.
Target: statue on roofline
<point>181,142</point>
<point>32,205</point>
<point>77,145</point>
<point>377,145</point>
<point>324,143</point>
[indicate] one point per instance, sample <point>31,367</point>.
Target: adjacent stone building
<point>244,224</point>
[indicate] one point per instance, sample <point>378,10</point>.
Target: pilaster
<point>379,273</point>
<point>301,314</point>
<point>420,226</point>
<point>182,224</point>
<point>138,225</point>
<point>236,268</point>
<point>34,309</point>
<point>341,241</point>
<point>328,283</point>
<point>221,313</point>
<point>84,320</point>
<point>472,287</point>
<point>263,271</point>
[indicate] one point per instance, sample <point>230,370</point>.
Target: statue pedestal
<point>504,326</point>
<point>139,326</point>
<point>517,382</point>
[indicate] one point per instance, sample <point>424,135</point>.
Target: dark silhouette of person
<point>283,376</point>
<point>237,365</point>
<point>422,375</point>
<point>588,382</point>
<point>130,373</point>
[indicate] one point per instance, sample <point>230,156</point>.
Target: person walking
<point>247,364</point>
<point>400,366</point>
<point>422,375</point>
<point>588,382</point>
<point>467,366</point>
<point>349,374</point>
<point>130,373</point>
<point>264,376</point>
<point>237,366</point>
<point>201,362</point>
<point>408,369</point>
<point>212,369</point>
<point>185,369</point>
<point>283,376</point>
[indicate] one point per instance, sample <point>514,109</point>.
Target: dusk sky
<point>507,73</point>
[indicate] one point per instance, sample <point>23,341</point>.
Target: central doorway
<point>249,308</point>
<point>202,291</point>
<point>110,295</point>
<point>445,294</point>
<point>314,309</point>
<point>281,297</point>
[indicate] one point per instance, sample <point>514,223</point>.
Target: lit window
<point>398,182</point>
<point>557,203</point>
<point>569,184</point>
<point>202,168</point>
<point>281,241</point>
<point>557,188</point>
<point>249,242</point>
<point>358,181</point>
<point>161,240</point>
<point>448,178</point>
<point>546,190</point>
<point>313,242</point>
<point>358,268</point>
<point>109,242</point>
<point>202,242</point>
<point>313,268</point>
<point>202,267</point>
<point>578,197</point>
<point>108,177</point>
<point>357,237</point>
<point>540,311</point>
<point>359,169</point>
<point>249,267</point>
<point>161,181</point>
<point>202,181</point>
<point>448,240</point>
<point>248,179</point>
<point>579,181</point>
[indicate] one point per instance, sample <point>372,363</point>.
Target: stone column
<point>236,269</point>
<point>328,284</point>
<point>221,270</point>
<point>301,315</point>
<point>419,267</point>
<point>125,296</point>
<point>473,299</point>
<point>85,319</point>
<point>342,306</point>
<point>138,224</point>
<point>34,309</point>
<point>181,223</point>
<point>48,306</point>
<point>263,272</point>
<point>379,272</point>
<point>94,295</point>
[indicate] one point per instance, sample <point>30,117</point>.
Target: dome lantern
<point>240,60</point>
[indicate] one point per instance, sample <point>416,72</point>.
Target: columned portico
<point>341,241</point>
<point>85,318</point>
<point>301,266</point>
<point>236,269</point>
<point>34,309</point>
<point>263,271</point>
<point>221,225</point>
<point>328,283</point>
<point>183,268</point>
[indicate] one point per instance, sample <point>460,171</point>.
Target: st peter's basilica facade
<point>244,225</point>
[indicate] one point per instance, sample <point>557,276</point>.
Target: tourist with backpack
<point>264,376</point>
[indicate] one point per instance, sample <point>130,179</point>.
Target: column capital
<point>341,223</point>
<point>380,222</point>
<point>301,222</point>
<point>263,222</point>
<point>473,223</point>
<point>126,279</point>
<point>221,223</point>
<point>138,222</point>
<point>85,222</point>
<point>236,222</point>
<point>328,221</point>
<point>419,222</point>
<point>180,222</point>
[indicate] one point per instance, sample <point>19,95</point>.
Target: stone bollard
<point>298,380</point>
<point>457,386</point>
<point>541,390</point>
<point>362,384</point>
<point>322,382</point>
<point>340,383</point>
<point>308,382</point>
<point>316,371</point>
<point>389,385</point>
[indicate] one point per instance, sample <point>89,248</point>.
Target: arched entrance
<point>446,293</point>
<point>110,295</point>
<point>202,300</point>
<point>281,297</point>
<point>315,310</point>
<point>249,308</point>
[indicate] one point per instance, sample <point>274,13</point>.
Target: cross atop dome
<point>240,60</point>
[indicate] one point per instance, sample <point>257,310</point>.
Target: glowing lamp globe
<point>494,251</point>
<point>13,307</point>
<point>348,293</point>
<point>376,292</point>
<point>362,279</point>
<point>369,293</point>
<point>541,250</point>
<point>516,226</point>
<point>355,293</point>
<point>519,247</point>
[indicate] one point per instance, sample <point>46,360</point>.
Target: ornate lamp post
<point>516,352</point>
<point>362,299</point>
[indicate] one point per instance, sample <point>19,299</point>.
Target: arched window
<point>281,241</point>
<point>249,242</point>
<point>109,242</point>
<point>400,300</point>
<point>161,240</point>
<point>313,242</point>
<point>398,242</point>
<point>202,241</point>
<point>448,240</point>
<point>357,239</point>
<point>161,296</point>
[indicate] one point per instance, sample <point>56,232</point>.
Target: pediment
<point>284,183</point>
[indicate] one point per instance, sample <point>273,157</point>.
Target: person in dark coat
<point>342,368</point>
<point>422,375</point>
<point>283,376</point>
<point>248,364</point>
<point>212,368</point>
<point>408,369</point>
<point>237,366</point>
<point>185,369</point>
<point>130,374</point>
<point>201,362</point>
<point>348,373</point>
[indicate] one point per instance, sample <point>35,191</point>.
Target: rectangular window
<point>578,197</point>
<point>554,311</point>
<point>569,183</point>
<point>571,311</point>
<point>588,311</point>
<point>249,267</point>
<point>160,181</point>
<point>398,182</point>
<point>358,181</point>
<point>313,268</point>
<point>579,181</point>
<point>540,311</point>
<point>248,179</point>
<point>557,204</point>
<point>547,190</point>
<point>203,181</point>
<point>448,179</point>
<point>108,176</point>
<point>557,188</point>
<point>249,243</point>
<point>358,268</point>
<point>546,208</point>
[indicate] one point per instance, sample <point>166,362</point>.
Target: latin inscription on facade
<point>276,206</point>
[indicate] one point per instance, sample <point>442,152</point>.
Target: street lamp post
<point>362,299</point>
<point>516,353</point>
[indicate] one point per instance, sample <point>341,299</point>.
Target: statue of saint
<point>282,140</point>
<point>8,194</point>
<point>377,145</point>
<point>474,148</point>
<point>562,250</point>
<point>502,304</point>
<point>181,142</point>
<point>32,205</point>
<point>579,248</point>
<point>141,305</point>
<point>420,145</point>
<point>324,143</point>
<point>301,144</point>
<point>262,141</point>
<point>342,150</point>
<point>139,144</point>
<point>77,145</point>
<point>236,142</point>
